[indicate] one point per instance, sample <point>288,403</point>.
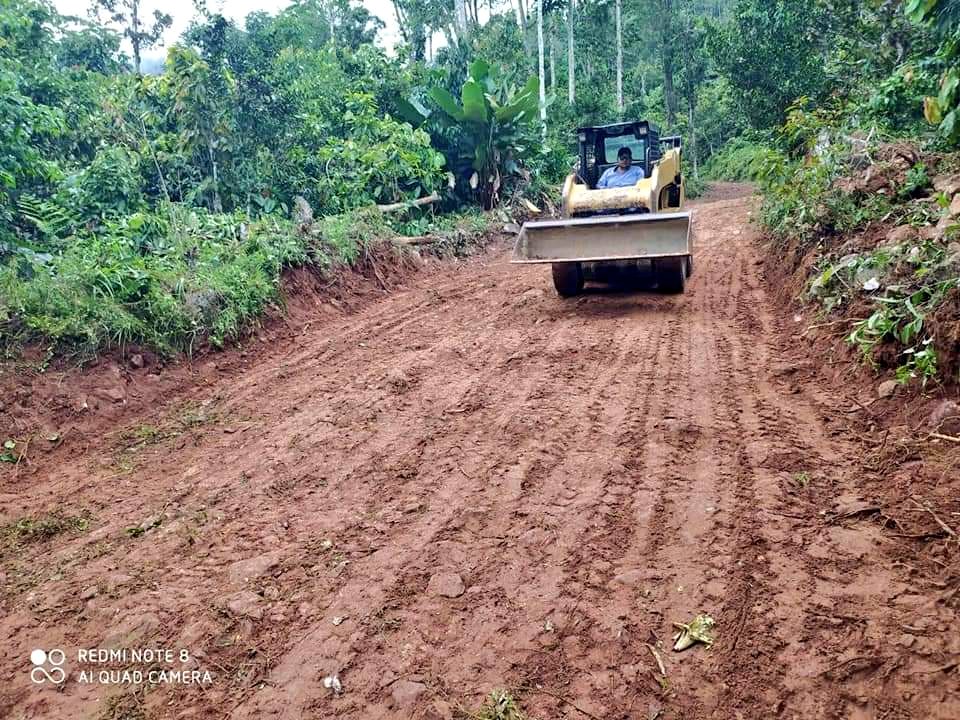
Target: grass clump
<point>499,705</point>
<point>43,527</point>
<point>186,417</point>
<point>164,280</point>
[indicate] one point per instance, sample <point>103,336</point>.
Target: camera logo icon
<point>48,666</point>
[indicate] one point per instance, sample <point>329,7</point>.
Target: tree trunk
<point>217,203</point>
<point>521,17</point>
<point>135,36</point>
<point>666,59</point>
<point>522,20</point>
<point>449,32</point>
<point>571,61</point>
<point>401,20</point>
<point>418,42</point>
<point>553,59</point>
<point>543,90</point>
<point>693,143</point>
<point>619,61</point>
<point>460,18</point>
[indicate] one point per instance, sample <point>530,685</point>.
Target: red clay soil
<point>472,484</point>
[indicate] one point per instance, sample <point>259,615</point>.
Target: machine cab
<point>598,147</point>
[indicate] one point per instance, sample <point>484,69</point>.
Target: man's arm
<point>602,182</point>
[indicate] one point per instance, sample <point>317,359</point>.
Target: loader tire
<point>689,265</point>
<point>671,274</point>
<point>568,278</point>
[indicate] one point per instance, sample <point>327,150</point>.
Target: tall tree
<point>553,59</point>
<point>543,91</point>
<point>666,20</point>
<point>693,70</point>
<point>460,18</point>
<point>523,22</point>
<point>126,14</point>
<point>619,14</point>
<point>571,60</point>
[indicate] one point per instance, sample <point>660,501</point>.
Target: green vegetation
<point>159,206</point>
<point>846,145</point>
<point>43,527</point>
<point>499,705</point>
<point>161,210</point>
<point>163,279</point>
<point>882,239</point>
<point>491,126</point>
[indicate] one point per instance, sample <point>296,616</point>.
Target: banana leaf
<point>479,70</point>
<point>447,103</point>
<point>474,104</point>
<point>411,113</point>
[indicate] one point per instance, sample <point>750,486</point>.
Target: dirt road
<point>475,484</point>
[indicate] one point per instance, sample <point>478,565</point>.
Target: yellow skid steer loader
<point>610,233</point>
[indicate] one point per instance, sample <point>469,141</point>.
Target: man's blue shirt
<point>613,177</point>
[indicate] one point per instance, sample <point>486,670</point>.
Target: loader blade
<point>604,238</point>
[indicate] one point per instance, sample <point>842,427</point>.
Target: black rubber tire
<point>689,265</point>
<point>671,274</point>
<point>568,278</point>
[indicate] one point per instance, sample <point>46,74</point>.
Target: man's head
<point>624,158</point>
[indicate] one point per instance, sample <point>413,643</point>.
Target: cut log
<point>420,202</point>
<point>418,240</point>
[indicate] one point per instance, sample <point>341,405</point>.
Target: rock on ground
<point>945,418</point>
<point>252,568</point>
<point>448,585</point>
<point>407,693</point>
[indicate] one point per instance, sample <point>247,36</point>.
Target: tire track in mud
<point>750,667</point>
<point>419,527</point>
<point>591,632</point>
<point>671,587</point>
<point>410,581</point>
<point>527,505</point>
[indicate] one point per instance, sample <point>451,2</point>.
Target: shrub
<point>205,276</point>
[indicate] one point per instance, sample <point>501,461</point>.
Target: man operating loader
<point>618,222</point>
<point>624,174</point>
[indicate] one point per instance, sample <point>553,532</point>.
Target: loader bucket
<point>604,238</point>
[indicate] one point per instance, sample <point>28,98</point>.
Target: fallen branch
<point>828,324</point>
<point>946,528</point>
<point>865,408</point>
<point>943,668</point>
<point>788,515</point>
<point>941,436</point>
<point>419,202</point>
<point>418,240</point>
<point>656,656</point>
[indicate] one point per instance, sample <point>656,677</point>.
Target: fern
<point>51,219</point>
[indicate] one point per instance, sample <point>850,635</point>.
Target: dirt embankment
<point>473,484</point>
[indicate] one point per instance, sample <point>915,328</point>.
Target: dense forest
<point>160,209</point>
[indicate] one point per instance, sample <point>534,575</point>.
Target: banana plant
<point>493,121</point>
